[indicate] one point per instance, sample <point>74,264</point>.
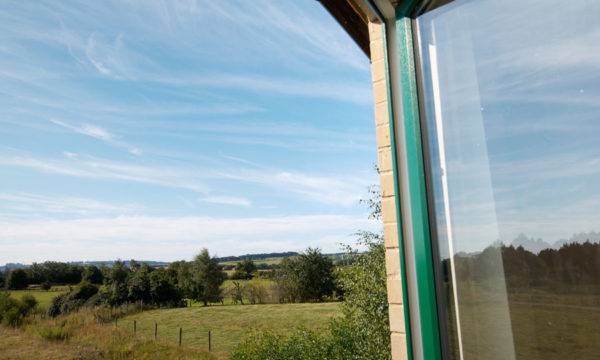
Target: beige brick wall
<point>388,205</point>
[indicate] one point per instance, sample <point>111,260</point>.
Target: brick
<point>385,159</point>
<point>382,116</point>
<point>397,318</point>
<point>388,210</point>
<point>392,262</point>
<point>399,348</point>
<point>390,235</point>
<point>379,92</point>
<point>394,290</point>
<point>377,70</point>
<point>376,47</point>
<point>386,181</point>
<point>375,31</point>
<point>383,136</point>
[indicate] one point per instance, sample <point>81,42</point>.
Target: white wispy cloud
<point>166,176</point>
<point>30,204</point>
<point>227,200</point>
<point>87,129</point>
<point>344,190</point>
<point>97,132</point>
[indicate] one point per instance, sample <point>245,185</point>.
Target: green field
<point>42,296</point>
<point>229,324</point>
<point>266,261</point>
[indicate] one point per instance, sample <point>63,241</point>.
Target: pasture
<point>42,296</point>
<point>228,324</point>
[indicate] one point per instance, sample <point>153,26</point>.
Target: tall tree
<point>315,275</point>
<point>17,279</point>
<point>92,274</point>
<point>207,277</point>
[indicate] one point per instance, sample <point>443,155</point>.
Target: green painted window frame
<point>419,214</point>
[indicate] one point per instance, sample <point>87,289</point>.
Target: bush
<point>46,285</point>
<point>12,311</point>
<point>29,302</point>
<point>301,345</point>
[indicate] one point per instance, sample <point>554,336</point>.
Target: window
<point>511,121</point>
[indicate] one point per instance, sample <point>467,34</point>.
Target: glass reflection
<point>511,93</point>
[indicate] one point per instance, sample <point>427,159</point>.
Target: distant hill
<point>109,263</point>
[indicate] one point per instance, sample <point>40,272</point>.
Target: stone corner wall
<point>388,205</point>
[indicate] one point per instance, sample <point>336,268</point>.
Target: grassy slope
<point>85,340</point>
<point>229,324</point>
<point>15,344</point>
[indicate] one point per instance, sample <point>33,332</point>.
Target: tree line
<point>308,276</point>
<point>574,265</point>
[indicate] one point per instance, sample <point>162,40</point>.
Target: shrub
<point>29,302</point>
<point>301,345</point>
<point>46,285</point>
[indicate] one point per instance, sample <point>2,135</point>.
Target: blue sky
<point>149,130</point>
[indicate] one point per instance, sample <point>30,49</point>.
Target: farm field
<point>265,261</point>
<point>228,324</point>
<point>42,296</point>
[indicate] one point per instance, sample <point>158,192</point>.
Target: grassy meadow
<point>228,324</point>
<point>265,261</point>
<point>44,297</point>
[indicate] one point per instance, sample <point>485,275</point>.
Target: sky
<point>153,129</point>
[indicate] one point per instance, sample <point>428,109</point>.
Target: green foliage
<point>46,285</point>
<point>73,300</point>
<point>17,279</point>
<point>162,288</point>
<point>29,302</point>
<point>55,272</point>
<point>363,332</point>
<point>244,270</point>
<point>364,329</point>
<point>303,344</point>
<point>117,290</point>
<point>287,279</point>
<point>306,277</point>
<point>12,311</point>
<point>2,280</point>
<point>92,274</point>
<point>255,291</point>
<point>138,283</point>
<point>207,278</point>
<point>315,275</point>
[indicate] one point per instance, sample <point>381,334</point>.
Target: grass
<point>228,324</point>
<point>42,296</point>
<point>79,336</point>
<point>16,344</point>
<point>266,261</point>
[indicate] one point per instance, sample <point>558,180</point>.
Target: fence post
<point>155,330</point>
<point>180,330</point>
<point>208,340</point>
<point>134,327</point>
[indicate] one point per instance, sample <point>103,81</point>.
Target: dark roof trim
<point>352,20</point>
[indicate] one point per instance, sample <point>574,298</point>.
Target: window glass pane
<point>512,118</point>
